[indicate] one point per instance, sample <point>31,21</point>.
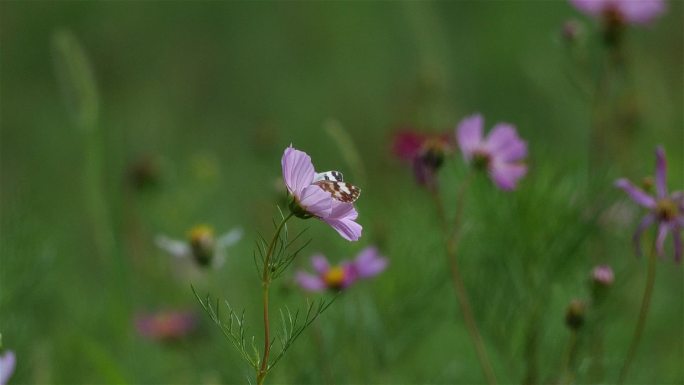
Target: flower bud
<point>602,275</point>
<point>574,315</point>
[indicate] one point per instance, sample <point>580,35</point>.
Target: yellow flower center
<point>334,277</point>
<point>666,209</point>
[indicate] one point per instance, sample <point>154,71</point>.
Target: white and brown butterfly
<point>333,182</point>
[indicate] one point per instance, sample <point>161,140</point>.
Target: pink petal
<point>663,229</point>
<point>506,175</point>
<point>677,238</point>
<point>320,264</point>
<point>645,224</point>
<point>309,282</point>
<point>640,11</point>
<point>637,194</point>
<point>469,135</point>
<point>342,218</point>
<point>369,263</point>
<point>7,363</point>
<point>500,136</point>
<point>661,170</point>
<point>298,171</point>
<point>316,201</point>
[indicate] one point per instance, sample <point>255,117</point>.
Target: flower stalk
<point>645,305</point>
<point>266,283</point>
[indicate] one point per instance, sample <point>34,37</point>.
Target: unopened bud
<point>602,275</point>
<point>574,315</point>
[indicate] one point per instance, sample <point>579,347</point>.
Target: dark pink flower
<point>665,210</point>
<point>7,364</point>
<point>425,153</point>
<point>501,153</point>
<point>322,195</point>
<point>166,325</point>
<point>622,11</point>
<point>367,264</point>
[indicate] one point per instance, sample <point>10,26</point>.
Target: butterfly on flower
<point>333,182</point>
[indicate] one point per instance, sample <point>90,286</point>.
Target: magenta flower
<point>166,325</point>
<point>602,275</point>
<point>368,263</point>
<point>322,195</point>
<point>502,153</point>
<point>425,153</point>
<point>622,11</point>
<point>7,364</point>
<point>666,211</point>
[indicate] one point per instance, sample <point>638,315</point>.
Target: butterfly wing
<point>341,191</point>
<point>333,176</point>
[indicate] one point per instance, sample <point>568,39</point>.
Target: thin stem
<point>569,361</point>
<point>645,304</point>
<point>266,283</point>
<point>459,287</point>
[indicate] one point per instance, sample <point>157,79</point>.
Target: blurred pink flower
<point>603,275</point>
<point>166,325</point>
<point>322,195</point>
<point>7,364</point>
<point>622,11</point>
<point>502,153</point>
<point>425,153</point>
<point>666,211</point>
<point>368,263</point>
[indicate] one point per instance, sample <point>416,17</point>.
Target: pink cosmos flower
<point>425,153</point>
<point>368,263</point>
<point>666,210</point>
<point>602,275</point>
<point>502,153</point>
<point>622,11</point>
<point>7,364</point>
<point>322,195</point>
<point>166,325</point>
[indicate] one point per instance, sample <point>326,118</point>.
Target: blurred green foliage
<point>202,98</point>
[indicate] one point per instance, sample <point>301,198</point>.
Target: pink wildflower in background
<point>425,153</point>
<point>602,275</point>
<point>166,325</point>
<point>501,153</point>
<point>7,364</point>
<point>322,195</point>
<point>622,11</point>
<point>665,210</point>
<point>367,264</point>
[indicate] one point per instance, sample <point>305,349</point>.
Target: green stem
<point>457,280</point>
<point>645,304</point>
<point>266,283</point>
<point>569,361</point>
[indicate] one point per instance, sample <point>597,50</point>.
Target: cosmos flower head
<point>325,195</point>
<point>201,245</point>
<point>502,153</point>
<point>619,12</point>
<point>7,363</point>
<point>165,325</point>
<point>665,210</point>
<point>367,264</point>
<point>425,153</point>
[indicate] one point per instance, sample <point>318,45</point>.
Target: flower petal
<point>342,218</point>
<point>640,11</point>
<point>469,134</point>
<point>677,238</point>
<point>7,364</point>
<point>407,144</point>
<point>645,224</point>
<point>506,175</point>
<point>660,174</point>
<point>298,171</point>
<point>637,194</point>
<point>316,201</point>
<point>500,136</point>
<point>369,263</point>
<point>320,263</point>
<point>309,282</point>
<point>663,229</point>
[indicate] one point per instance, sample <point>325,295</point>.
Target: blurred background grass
<point>212,93</point>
